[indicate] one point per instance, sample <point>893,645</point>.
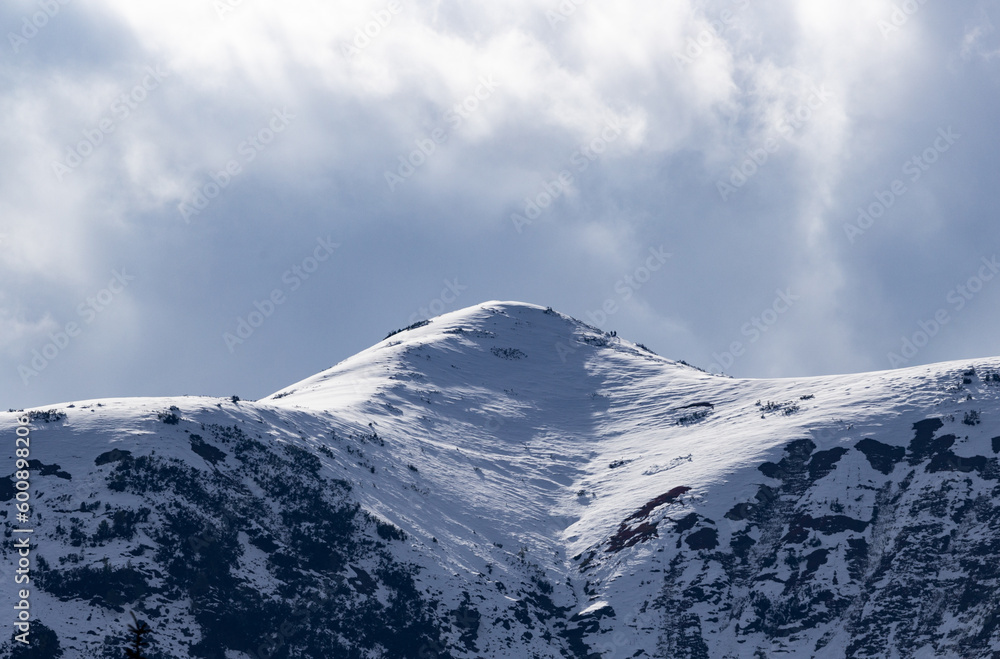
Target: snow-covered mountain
<point>506,481</point>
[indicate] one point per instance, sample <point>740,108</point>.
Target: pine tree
<point>139,631</point>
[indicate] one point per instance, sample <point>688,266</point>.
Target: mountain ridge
<point>530,485</point>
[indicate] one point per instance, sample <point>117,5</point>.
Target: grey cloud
<point>686,126</point>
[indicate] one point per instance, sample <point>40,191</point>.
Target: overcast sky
<point>813,181</point>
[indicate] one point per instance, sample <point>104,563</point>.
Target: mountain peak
<point>548,344</point>
<point>506,481</point>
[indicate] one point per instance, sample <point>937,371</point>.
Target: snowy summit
<point>506,481</point>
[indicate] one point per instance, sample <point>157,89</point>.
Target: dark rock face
<point>629,535</point>
<point>703,539</point>
<point>114,455</point>
<point>948,461</point>
<point>197,536</point>
<point>924,444</point>
<point>881,457</point>
<point>7,489</point>
<point>37,467</point>
<point>886,571</point>
<point>800,525</point>
<point>862,550</point>
<point>823,462</point>
<point>307,528</point>
<point>206,450</point>
<point>793,465</point>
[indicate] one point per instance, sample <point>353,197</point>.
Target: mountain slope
<point>505,481</point>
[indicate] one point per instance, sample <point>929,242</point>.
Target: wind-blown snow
<point>522,446</point>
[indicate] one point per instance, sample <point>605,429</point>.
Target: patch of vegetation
<point>43,469</point>
<point>147,474</point>
<point>372,438</point>
<point>508,353</point>
<point>206,450</point>
<point>273,496</point>
<point>44,644</point>
<point>138,643</point>
<point>388,531</point>
<point>48,416</point>
<point>114,455</point>
<point>693,417</point>
<point>419,323</point>
<point>105,586</point>
<point>303,460</point>
<point>466,619</point>
<point>125,520</point>
<point>787,408</point>
<point>479,334</point>
<point>171,416</point>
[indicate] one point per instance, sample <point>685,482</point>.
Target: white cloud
<point>693,85</point>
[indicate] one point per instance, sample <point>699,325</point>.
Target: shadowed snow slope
<point>505,481</point>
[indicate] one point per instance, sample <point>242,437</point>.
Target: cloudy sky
<point>796,187</point>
